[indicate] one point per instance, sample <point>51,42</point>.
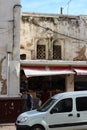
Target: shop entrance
<point>54,84</point>
<point>38,85</point>
<point>80,82</point>
<point>43,87</point>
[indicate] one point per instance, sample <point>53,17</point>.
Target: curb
<point>7,124</point>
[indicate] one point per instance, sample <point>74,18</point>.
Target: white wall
<point>9,47</point>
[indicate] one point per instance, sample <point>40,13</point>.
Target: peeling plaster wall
<point>70,30</point>
<point>9,47</point>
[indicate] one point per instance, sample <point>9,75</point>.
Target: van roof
<point>68,94</point>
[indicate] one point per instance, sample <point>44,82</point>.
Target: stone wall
<point>70,32</point>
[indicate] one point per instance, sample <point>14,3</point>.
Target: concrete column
<point>69,82</point>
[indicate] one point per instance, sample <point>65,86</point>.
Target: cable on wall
<point>47,28</point>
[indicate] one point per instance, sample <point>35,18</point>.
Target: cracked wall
<point>3,84</point>
<point>72,30</point>
<point>9,47</point>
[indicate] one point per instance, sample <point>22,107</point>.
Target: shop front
<point>54,78</point>
<point>80,79</point>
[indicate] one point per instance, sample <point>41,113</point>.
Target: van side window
<point>81,104</point>
<point>64,105</point>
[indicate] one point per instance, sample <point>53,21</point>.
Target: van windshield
<point>46,105</point>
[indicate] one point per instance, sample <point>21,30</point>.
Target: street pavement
<point>7,126</point>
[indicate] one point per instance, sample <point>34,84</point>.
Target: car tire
<point>37,127</point>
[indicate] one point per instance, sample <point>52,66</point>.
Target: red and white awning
<point>80,71</point>
<point>31,72</point>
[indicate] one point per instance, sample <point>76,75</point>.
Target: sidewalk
<point>8,126</point>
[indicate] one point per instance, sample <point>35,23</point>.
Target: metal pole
<point>61,10</point>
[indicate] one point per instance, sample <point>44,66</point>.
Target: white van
<point>64,111</point>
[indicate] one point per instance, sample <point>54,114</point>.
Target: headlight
<point>23,119</point>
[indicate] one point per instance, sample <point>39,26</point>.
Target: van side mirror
<point>54,110</point>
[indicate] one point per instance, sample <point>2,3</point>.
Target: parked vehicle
<point>64,111</point>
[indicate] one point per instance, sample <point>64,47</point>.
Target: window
<point>23,56</point>
<point>64,105</point>
<point>81,104</point>
<point>56,52</point>
<point>49,49</point>
<point>41,52</point>
<point>46,105</point>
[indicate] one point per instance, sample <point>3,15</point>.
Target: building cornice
<point>28,14</point>
<point>53,63</point>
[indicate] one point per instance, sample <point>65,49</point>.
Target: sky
<point>69,7</point>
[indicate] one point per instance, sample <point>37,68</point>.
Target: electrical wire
<point>47,28</point>
<point>67,5</point>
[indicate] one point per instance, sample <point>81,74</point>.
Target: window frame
<point>55,109</point>
<point>60,42</point>
<point>83,106</point>
<point>42,42</point>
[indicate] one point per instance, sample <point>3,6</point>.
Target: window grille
<point>57,52</point>
<point>41,52</point>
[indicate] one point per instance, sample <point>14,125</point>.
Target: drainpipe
<point>8,71</point>
<point>10,50</point>
<point>17,5</point>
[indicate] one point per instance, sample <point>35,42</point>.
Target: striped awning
<point>31,72</point>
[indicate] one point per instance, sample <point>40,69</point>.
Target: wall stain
<point>3,81</point>
<point>81,54</point>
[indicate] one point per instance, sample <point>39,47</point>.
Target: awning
<point>31,72</point>
<point>81,71</point>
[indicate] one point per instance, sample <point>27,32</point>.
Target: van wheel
<point>37,127</point>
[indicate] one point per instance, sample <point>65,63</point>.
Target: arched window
<point>42,49</point>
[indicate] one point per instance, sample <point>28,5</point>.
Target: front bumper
<point>23,127</point>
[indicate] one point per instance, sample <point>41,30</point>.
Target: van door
<point>61,115</point>
<point>81,113</point>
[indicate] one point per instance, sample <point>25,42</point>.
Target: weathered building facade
<point>65,33</point>
<point>9,59</point>
<point>55,42</point>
